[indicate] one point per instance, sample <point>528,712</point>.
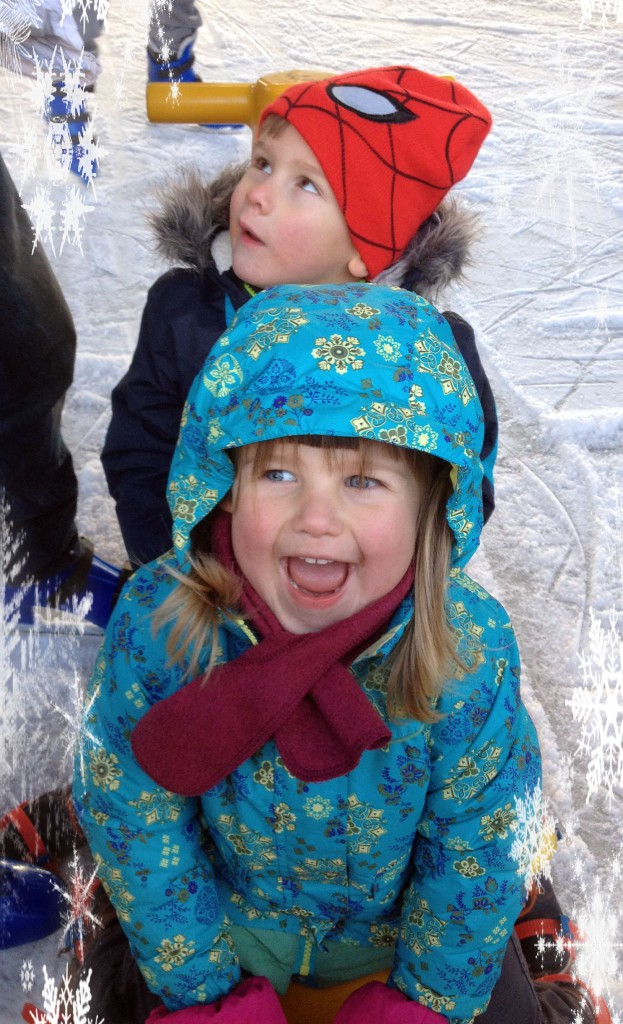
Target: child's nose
<point>319,514</point>
<point>260,193</point>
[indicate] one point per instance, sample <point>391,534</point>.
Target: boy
<point>345,183</point>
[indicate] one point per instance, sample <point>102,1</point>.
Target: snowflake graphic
<point>81,8</point>
<point>89,152</point>
<point>41,212</point>
<point>598,919</point>
<point>62,1004</point>
<point>156,28</point>
<point>605,9</point>
<point>535,839</point>
<point>75,94</point>
<point>33,664</point>
<point>45,77</point>
<point>58,213</point>
<point>16,21</point>
<point>598,706</point>
<point>158,32</point>
<point>60,146</point>
<point>76,708</point>
<point>56,207</point>
<point>73,213</point>
<point>79,919</point>
<point>27,975</point>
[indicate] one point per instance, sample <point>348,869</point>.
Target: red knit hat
<point>391,142</point>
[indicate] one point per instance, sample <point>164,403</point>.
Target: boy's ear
<point>356,267</point>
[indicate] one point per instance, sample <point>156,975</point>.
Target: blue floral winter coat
<point>411,849</point>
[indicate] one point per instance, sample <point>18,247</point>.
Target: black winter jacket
<point>184,315</point>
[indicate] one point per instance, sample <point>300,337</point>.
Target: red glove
<point>375,1003</point>
<point>252,1001</point>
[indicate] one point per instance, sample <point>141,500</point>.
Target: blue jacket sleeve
<point>465,891</point>
<point>148,842</point>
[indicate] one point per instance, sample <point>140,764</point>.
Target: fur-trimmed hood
<point>193,211</point>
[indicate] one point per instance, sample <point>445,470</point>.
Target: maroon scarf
<point>296,688</point>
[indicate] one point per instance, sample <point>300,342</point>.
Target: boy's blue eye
<point>308,185</point>
<point>262,164</point>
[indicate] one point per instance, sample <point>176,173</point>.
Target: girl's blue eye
<point>279,475</point>
<point>308,185</point>
<point>362,483</point>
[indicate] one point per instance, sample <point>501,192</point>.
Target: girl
<point>304,739</point>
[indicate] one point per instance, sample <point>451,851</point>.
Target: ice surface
<point>545,296</point>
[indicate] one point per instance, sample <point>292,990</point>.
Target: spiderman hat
<point>391,142</point>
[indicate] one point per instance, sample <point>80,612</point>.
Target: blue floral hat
<point>352,360</point>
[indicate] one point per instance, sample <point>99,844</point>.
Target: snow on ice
<point>545,296</point>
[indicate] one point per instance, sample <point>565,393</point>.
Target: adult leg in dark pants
<point>37,477</point>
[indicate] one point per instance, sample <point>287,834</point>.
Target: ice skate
<point>71,133</point>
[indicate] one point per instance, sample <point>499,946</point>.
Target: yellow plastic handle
<point>220,102</point>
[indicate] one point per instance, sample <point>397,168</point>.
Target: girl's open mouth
<point>317,577</point>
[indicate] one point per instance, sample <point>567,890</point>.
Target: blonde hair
<point>425,655</point>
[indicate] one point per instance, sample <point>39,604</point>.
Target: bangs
<point>425,468</point>
<point>273,126</point>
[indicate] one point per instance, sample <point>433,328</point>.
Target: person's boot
<point>84,575</point>
<point>171,68</point>
<point>565,997</point>
<point>548,941</point>
<point>544,932</point>
<point>71,134</point>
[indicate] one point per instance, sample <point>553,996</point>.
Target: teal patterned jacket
<point>411,850</point>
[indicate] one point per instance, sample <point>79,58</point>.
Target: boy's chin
<point>261,277</point>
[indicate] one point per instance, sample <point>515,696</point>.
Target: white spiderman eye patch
<point>370,103</point>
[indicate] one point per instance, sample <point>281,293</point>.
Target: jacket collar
<point>193,212</point>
